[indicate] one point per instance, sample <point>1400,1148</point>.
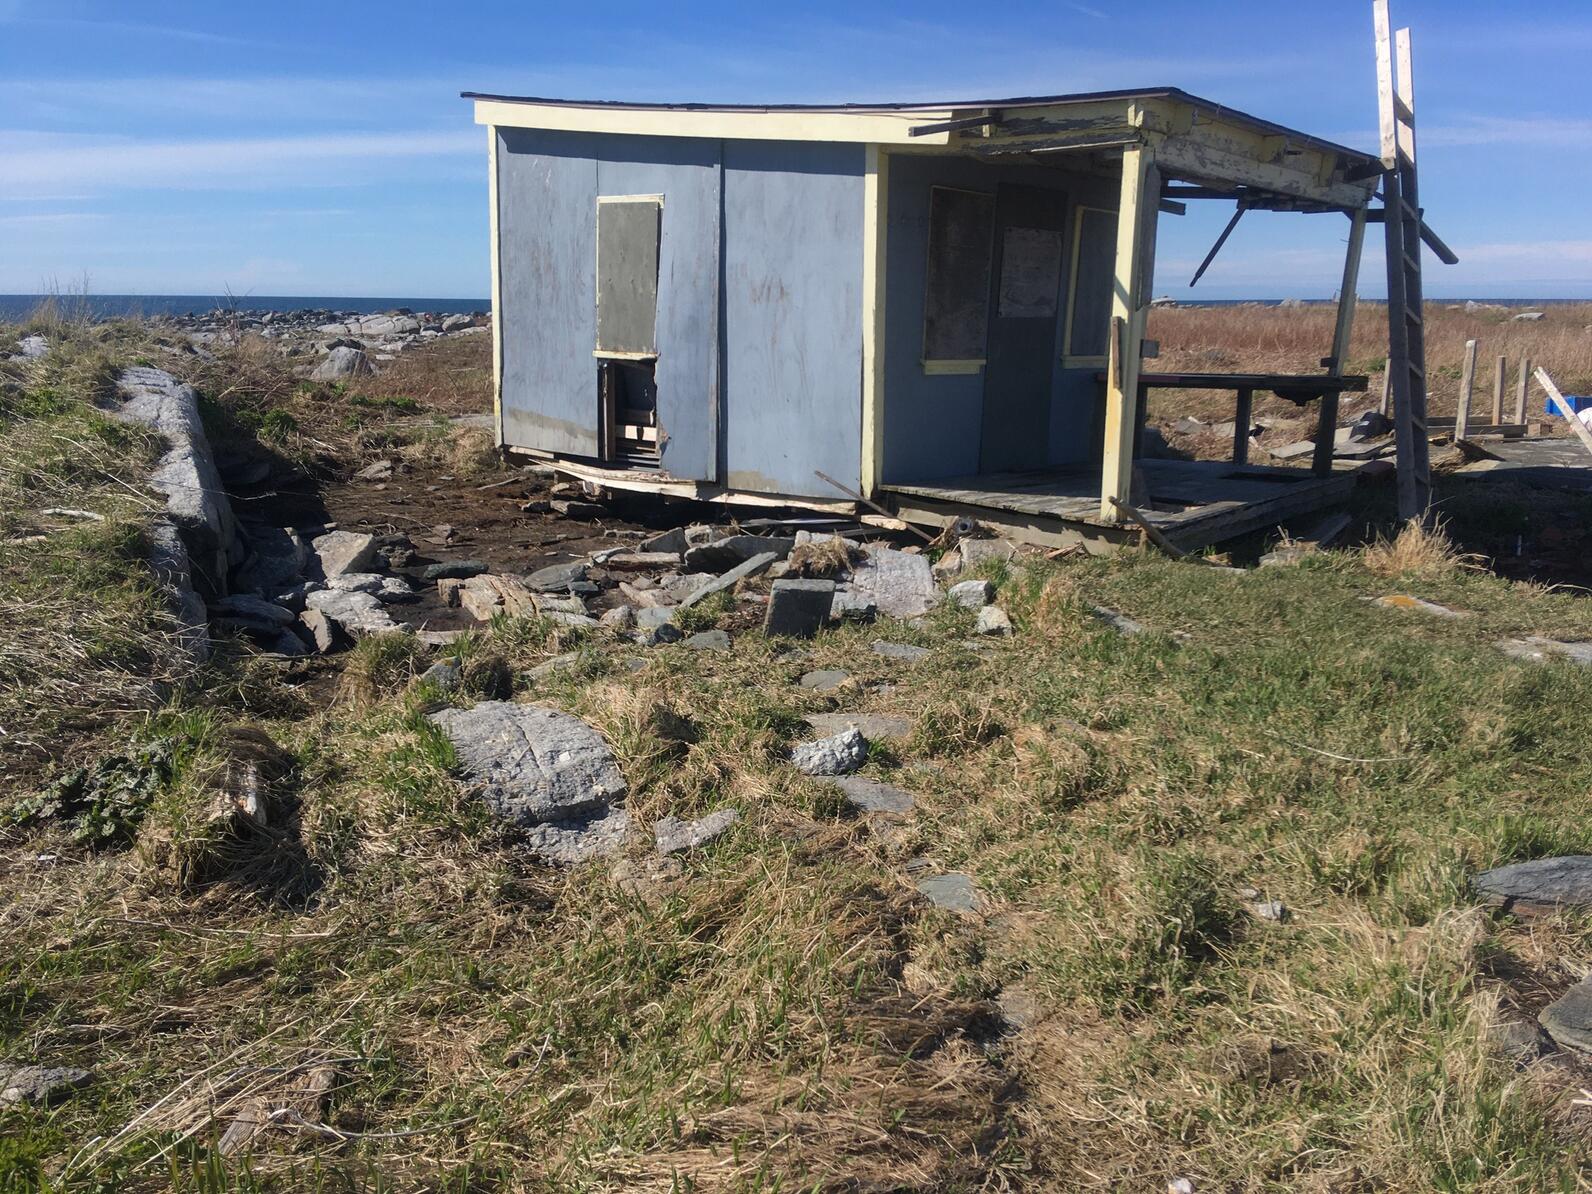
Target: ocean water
<point>116,306</point>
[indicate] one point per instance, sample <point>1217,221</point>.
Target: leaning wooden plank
<point>1563,407</point>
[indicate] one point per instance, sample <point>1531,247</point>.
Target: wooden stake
<point>1466,381</point>
<point>1500,379</point>
<point>1387,383</point>
<point>1557,399</point>
<point>1520,390</point>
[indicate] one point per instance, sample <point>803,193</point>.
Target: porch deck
<point>1194,503</point>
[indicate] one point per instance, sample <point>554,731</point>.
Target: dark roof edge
<point>1026,101</point>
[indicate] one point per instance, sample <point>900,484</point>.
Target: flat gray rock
<point>971,594</point>
<point>875,727</point>
<point>992,619</point>
<point>674,836</point>
<point>186,474</point>
<point>726,553</point>
<point>342,362</point>
<point>1121,623</point>
<point>1541,885</point>
<point>708,640</point>
<point>848,606</point>
<point>871,796</point>
<point>534,765</point>
<point>900,584</point>
<point>1540,650</point>
<point>580,839</point>
<point>253,609</point>
<point>357,613</point>
<point>40,1084</point>
<point>954,892</point>
<point>718,584</point>
<point>556,578</point>
<point>838,755</point>
<point>453,570</point>
<point>798,608</point>
<point>338,552</point>
<point>902,651</point>
<point>824,679</point>
<point>1568,1020</point>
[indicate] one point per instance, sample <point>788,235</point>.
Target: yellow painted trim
<point>1128,311</point>
<point>603,354</point>
<point>874,128</point>
<point>932,368</point>
<point>497,286</point>
<point>875,227</point>
<point>1072,282</point>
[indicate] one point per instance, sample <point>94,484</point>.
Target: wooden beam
<point>1136,212</point>
<point>876,222</point>
<point>1500,380</point>
<point>1385,96</point>
<point>1242,421</point>
<point>1348,293</point>
<point>954,126</point>
<point>497,284</point>
<point>1557,399</point>
<point>1466,382</point>
<point>1520,389</point>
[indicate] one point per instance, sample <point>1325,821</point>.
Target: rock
<point>556,578</point>
<point>439,638</point>
<point>387,588</point>
<point>901,651</point>
<point>1539,886</point>
<point>549,603</point>
<point>40,1085</point>
<point>972,594</point>
<point>1416,604</point>
<point>642,561</point>
<point>558,663</point>
<point>979,551</point>
<point>1540,650</point>
<point>1274,910</point>
<point>33,348</point>
<point>325,634</point>
<point>395,551</point>
<point>674,836</point>
<point>730,579</point>
<point>899,583</point>
<point>824,679</point>
<point>580,511</point>
<point>1568,1020</point>
<point>621,617</point>
<point>1515,1040</point>
<point>847,606</point>
<point>357,613</point>
<point>341,363</point>
<point>1526,317</point>
<point>381,470</point>
<point>445,674</point>
<point>992,619</point>
<point>708,640</point>
<point>343,551</point>
<point>657,636</point>
<point>953,891</point>
<point>723,554</point>
<point>453,569</point>
<point>1020,1009</point>
<point>839,755</point>
<point>947,566</point>
<point>454,323</point>
<point>1287,555</point>
<point>564,618</point>
<point>672,542</point>
<point>242,607</point>
<point>533,765</point>
<point>279,559</point>
<point>186,474</point>
<point>875,727</point>
<point>871,796</point>
<point>798,608</point>
<point>575,840</point>
<point>1121,623</point>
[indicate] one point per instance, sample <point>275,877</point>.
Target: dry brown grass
<point>1417,552</point>
<point>1254,338</point>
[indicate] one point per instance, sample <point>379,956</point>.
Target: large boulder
<point>533,765</point>
<point>337,552</point>
<point>1568,1019</point>
<point>1541,885</point>
<point>342,362</point>
<point>901,584</point>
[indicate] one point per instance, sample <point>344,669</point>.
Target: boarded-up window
<point>627,273</point>
<point>1030,273</point>
<point>956,304</point>
<point>1094,266</point>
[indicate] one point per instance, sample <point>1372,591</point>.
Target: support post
<point>1138,206</point>
<point>1241,424</point>
<point>1327,424</point>
<point>1500,380</point>
<point>876,197</point>
<point>1387,389</point>
<point>1520,389</point>
<point>1467,381</point>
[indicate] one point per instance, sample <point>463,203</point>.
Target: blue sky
<point>321,149</point>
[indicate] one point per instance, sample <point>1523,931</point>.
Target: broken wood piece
<point>303,1100</point>
<point>1562,406</point>
<point>874,506</point>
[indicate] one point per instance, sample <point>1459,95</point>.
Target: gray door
<point>1025,294</point>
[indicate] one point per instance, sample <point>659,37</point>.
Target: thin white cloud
<point>40,163</point>
<point>144,29</point>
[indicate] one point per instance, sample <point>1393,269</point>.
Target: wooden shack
<point>937,307</point>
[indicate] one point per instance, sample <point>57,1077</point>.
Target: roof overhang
<point>1193,140</point>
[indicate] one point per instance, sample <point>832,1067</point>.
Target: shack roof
<point>950,110</point>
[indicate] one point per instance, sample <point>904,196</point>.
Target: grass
<point>781,1011</point>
